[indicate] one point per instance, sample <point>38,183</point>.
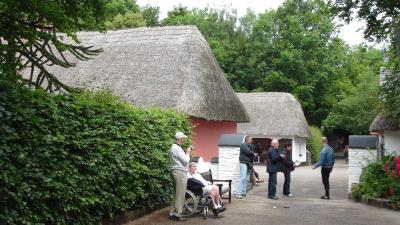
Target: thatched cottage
<point>387,130</point>
<point>167,67</point>
<point>275,115</point>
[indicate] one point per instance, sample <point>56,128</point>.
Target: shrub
<point>380,179</point>
<point>374,181</point>
<point>314,143</point>
<point>75,159</point>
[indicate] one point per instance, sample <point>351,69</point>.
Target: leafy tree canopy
<point>383,24</point>
<point>360,98</point>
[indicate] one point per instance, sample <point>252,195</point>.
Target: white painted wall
<point>392,142</point>
<point>358,158</point>
<point>228,166</point>
<point>299,148</point>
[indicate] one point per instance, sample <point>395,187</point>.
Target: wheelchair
<point>197,203</point>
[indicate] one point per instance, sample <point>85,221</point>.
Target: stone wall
<point>228,166</point>
<point>358,158</point>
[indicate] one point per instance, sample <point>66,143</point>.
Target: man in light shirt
<point>179,166</point>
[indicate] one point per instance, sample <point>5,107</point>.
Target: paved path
<point>306,208</point>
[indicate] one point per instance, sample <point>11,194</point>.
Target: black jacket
<point>287,162</point>
<point>246,153</point>
<point>274,161</point>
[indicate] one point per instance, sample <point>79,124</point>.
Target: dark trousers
<point>272,185</point>
<point>325,172</point>
<point>286,184</point>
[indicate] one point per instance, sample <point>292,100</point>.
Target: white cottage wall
<point>358,158</point>
<point>299,149</point>
<point>228,167</point>
<point>392,142</point>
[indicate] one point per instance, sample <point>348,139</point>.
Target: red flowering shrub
<point>397,164</point>
<point>392,169</point>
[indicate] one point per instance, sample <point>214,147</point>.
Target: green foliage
<point>122,14</point>
<point>75,159</point>
<point>298,52</point>
<point>30,29</point>
<point>375,182</point>
<point>314,143</point>
<point>128,20</point>
<point>360,98</point>
<point>150,15</point>
<point>391,97</point>
<point>382,17</point>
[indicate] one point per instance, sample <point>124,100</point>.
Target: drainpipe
<point>381,146</point>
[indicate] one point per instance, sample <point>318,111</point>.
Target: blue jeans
<point>272,185</point>
<point>244,179</point>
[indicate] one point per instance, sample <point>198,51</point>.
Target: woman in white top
<point>208,189</point>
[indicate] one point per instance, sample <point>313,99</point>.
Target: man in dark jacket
<point>287,168</point>
<point>274,165</point>
<point>246,160</point>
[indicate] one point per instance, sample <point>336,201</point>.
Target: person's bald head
<point>324,140</point>
<point>275,143</point>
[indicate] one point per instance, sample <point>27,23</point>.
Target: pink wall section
<point>206,134</point>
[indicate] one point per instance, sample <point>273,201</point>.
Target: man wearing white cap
<point>180,162</point>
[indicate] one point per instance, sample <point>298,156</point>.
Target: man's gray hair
<point>274,141</point>
<point>192,164</point>
<point>324,139</point>
<point>246,138</point>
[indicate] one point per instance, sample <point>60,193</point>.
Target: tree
<point>360,98</point>
<point>150,15</point>
<point>128,20</point>
<point>33,34</point>
<point>296,49</point>
<point>383,24</point>
<point>382,18</point>
<point>122,14</point>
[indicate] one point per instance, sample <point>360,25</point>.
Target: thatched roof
<point>273,115</point>
<point>168,67</point>
<point>380,124</point>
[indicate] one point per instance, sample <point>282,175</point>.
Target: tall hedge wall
<point>314,143</point>
<point>77,159</point>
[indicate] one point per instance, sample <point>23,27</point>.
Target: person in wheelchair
<point>209,189</point>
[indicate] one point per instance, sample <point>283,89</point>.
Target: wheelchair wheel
<point>190,204</point>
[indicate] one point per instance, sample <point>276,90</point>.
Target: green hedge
<point>314,143</point>
<point>77,159</point>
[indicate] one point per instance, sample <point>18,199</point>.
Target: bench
<point>208,177</point>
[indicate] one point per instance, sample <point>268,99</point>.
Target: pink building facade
<point>206,134</point>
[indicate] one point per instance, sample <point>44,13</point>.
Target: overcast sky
<point>348,33</point>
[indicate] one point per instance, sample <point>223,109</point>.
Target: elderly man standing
<point>326,161</point>
<point>274,165</point>
<point>246,160</point>
<point>180,162</point>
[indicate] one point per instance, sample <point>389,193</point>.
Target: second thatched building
<point>275,115</point>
